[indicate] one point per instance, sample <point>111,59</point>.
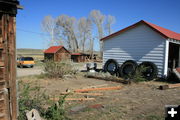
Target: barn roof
<point>54,49</point>
<point>162,31</point>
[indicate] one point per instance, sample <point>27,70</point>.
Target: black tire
<point>150,71</point>
<point>111,66</point>
<point>21,66</point>
<point>128,68</point>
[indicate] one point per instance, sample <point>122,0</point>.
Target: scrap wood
<point>80,99</point>
<point>76,99</point>
<point>163,87</point>
<point>97,89</point>
<point>96,106</point>
<point>119,80</point>
<point>1,64</point>
<point>91,94</point>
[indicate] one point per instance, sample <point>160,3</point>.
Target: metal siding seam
<point>166,58</point>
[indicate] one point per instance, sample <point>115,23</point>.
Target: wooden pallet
<point>1,46</point>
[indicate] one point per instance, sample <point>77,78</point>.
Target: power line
<point>28,31</point>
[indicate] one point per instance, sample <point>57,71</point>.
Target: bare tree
<point>75,35</point>
<point>84,27</point>
<point>110,20</point>
<point>49,26</point>
<point>98,19</point>
<point>91,47</point>
<point>67,24</point>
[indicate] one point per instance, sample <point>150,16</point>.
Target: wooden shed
<point>8,96</point>
<point>82,57</point>
<point>57,53</point>
<point>144,41</point>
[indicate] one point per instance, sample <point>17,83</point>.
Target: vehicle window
<point>21,59</point>
<point>28,59</point>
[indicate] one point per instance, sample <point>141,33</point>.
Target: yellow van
<point>25,62</point>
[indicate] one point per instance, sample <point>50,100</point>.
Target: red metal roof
<point>163,31</point>
<point>53,49</point>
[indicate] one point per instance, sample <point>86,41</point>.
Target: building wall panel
<point>140,44</point>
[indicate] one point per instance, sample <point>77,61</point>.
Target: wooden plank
<point>73,99</point>
<point>91,94</point>
<point>163,87</point>
<point>2,82</point>
<point>1,64</point>
<point>2,115</point>
<point>98,89</point>
<point>1,46</point>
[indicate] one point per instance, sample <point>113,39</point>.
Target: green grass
<point>29,51</point>
<point>37,54</point>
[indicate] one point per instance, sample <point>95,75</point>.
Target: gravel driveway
<point>36,70</point>
<point>29,71</point>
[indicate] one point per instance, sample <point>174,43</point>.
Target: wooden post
<point>179,57</point>
<point>8,11</point>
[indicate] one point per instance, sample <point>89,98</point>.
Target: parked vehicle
<point>25,62</point>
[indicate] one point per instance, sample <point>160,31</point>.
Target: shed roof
<point>162,31</point>
<point>54,49</point>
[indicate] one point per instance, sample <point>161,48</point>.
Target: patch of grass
<point>154,117</point>
<point>41,76</point>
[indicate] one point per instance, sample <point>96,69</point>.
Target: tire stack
<point>129,68</point>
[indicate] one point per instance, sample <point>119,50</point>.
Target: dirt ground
<point>142,101</point>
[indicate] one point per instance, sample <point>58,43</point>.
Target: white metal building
<point>144,41</point>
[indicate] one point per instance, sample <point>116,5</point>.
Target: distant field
<point>35,53</point>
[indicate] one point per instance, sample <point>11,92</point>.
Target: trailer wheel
<point>150,70</point>
<point>111,66</point>
<point>128,68</point>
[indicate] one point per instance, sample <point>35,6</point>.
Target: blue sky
<point>165,13</point>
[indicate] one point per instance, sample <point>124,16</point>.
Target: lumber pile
<point>163,87</point>
<point>98,89</point>
<point>86,93</point>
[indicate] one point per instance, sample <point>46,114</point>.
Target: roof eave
<point>130,27</point>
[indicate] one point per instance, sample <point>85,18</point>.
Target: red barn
<point>56,53</point>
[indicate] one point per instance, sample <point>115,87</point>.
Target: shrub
<point>28,101</point>
<point>56,111</point>
<point>138,76</point>
<point>59,69</point>
<point>31,98</point>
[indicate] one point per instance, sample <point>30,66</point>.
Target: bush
<point>138,76</point>
<point>59,69</point>
<point>31,98</point>
<point>56,111</point>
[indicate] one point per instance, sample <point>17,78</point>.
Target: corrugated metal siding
<point>140,44</point>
